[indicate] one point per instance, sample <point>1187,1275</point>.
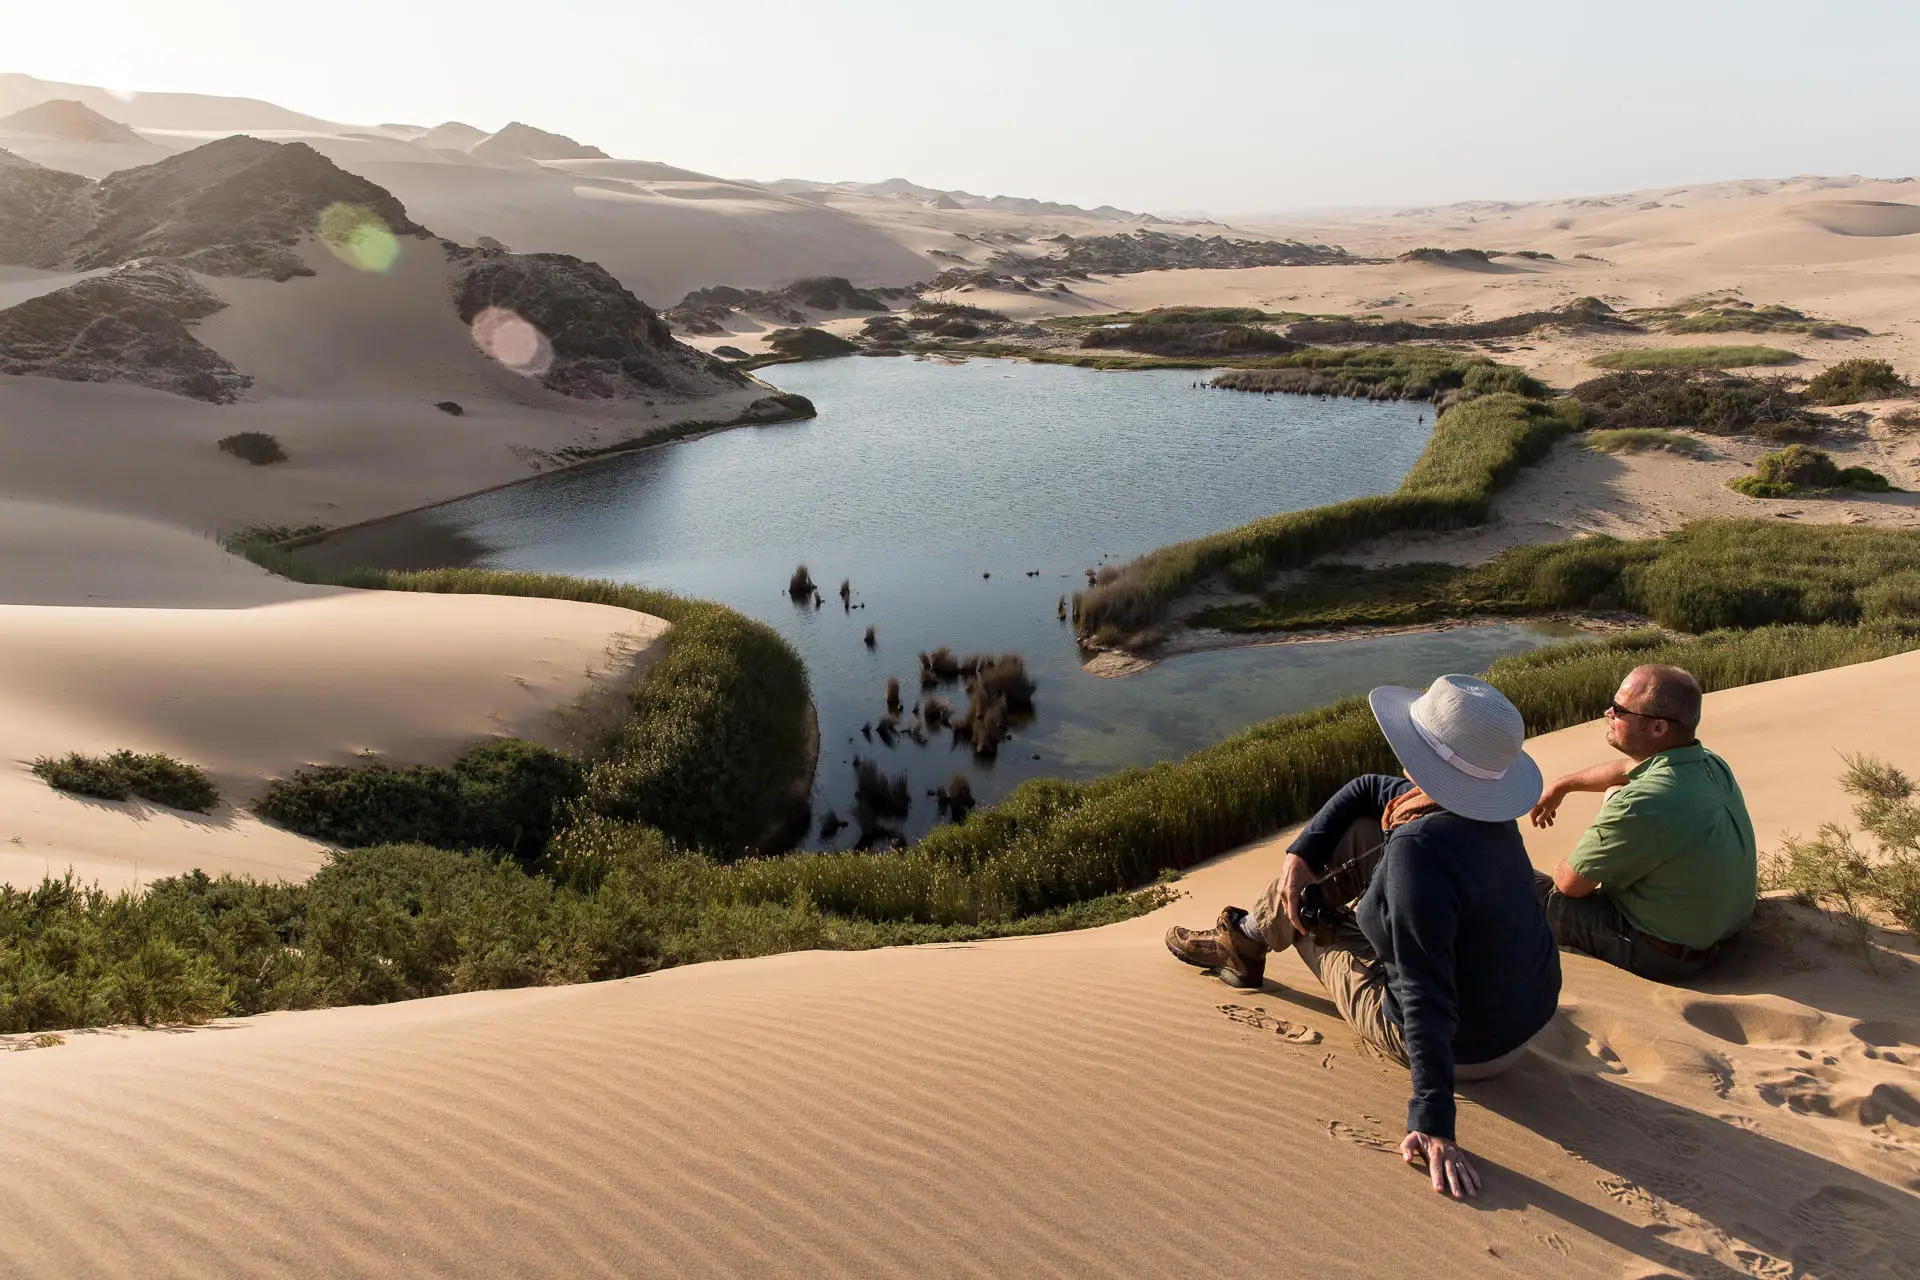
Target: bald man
<point>1667,873</point>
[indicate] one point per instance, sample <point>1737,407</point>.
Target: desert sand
<point>1072,1105</point>
<point>122,633</point>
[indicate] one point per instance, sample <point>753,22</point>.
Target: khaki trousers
<point>1347,966</point>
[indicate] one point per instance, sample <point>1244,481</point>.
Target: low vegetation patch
<point>1717,403</point>
<point>1711,575</point>
<point>1852,381</point>
<point>256,447</point>
<point>396,922</point>
<point>1799,469</point>
<point>1692,357</point>
<point>154,777</point>
<point>1636,439</point>
<point>1832,872</point>
<point>1581,314</point>
<point>1477,447</point>
<point>1731,315</point>
<point>509,796</point>
<point>787,346</point>
<point>1379,373</point>
<point>1194,338</point>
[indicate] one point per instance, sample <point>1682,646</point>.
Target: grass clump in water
<point>1692,358</point>
<point>152,776</point>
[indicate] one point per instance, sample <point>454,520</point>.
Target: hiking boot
<point>1242,962</point>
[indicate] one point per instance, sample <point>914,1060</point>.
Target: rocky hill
<point>69,121</point>
<point>36,206</point>
<point>130,325</point>
<point>249,208</point>
<point>604,343</point>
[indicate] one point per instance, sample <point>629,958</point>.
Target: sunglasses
<point>1614,708</point>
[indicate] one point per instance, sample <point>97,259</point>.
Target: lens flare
<point>358,237</point>
<point>512,341</point>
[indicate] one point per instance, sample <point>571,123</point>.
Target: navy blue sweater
<point>1471,966</point>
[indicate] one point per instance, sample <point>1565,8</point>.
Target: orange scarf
<point>1407,806</point>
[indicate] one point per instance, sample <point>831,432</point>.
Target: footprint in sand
<point>1260,1020</point>
<point>1554,1242</point>
<point>1617,1103</point>
<point>1843,1232</point>
<point>1369,1137</point>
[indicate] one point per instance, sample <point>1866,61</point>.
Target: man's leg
<point>1349,870</point>
<point>1347,968</point>
<point>1593,924</point>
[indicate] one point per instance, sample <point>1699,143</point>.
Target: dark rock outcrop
<point>236,207</point>
<point>706,310</point>
<point>605,343</point>
<point>39,212</point>
<point>131,325</point>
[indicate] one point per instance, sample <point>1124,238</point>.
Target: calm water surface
<point>918,480</point>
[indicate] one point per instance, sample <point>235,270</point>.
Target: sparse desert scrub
<point>1798,468</point>
<point>256,447</point>
<point>1192,338</point>
<point>1710,575</point>
<point>1831,871</point>
<point>1721,404</point>
<point>451,407</point>
<point>151,776</point>
<point>1852,381</point>
<point>1476,448</point>
<point>1904,419</point>
<point>1731,315</point>
<point>1692,358</point>
<point>1636,439</point>
<point>804,343</point>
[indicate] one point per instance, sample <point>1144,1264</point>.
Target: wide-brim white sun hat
<point>1463,744</point>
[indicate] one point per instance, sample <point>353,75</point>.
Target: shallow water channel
<point>917,481</point>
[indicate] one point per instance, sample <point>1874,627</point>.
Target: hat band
<point>1448,754</point>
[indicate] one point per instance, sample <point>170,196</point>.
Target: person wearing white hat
<point>1446,963</point>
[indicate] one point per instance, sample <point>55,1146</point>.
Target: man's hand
<point>1448,1164</point>
<point>1549,805</point>
<point>1295,876</point>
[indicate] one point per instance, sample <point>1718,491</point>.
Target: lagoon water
<point>917,481</point>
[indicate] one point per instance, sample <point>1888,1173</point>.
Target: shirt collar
<point>1687,751</point>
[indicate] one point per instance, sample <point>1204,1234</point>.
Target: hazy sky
<point>1230,106</point>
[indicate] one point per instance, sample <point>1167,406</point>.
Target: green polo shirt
<point>1673,848</point>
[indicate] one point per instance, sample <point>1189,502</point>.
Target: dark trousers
<point>1593,924</point>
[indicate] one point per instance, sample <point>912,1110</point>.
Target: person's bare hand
<point>1447,1163</point>
<point>1543,813</point>
<point>1295,876</point>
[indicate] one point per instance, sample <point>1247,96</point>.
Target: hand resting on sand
<point>1446,1162</point>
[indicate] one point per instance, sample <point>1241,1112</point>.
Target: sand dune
<point>1862,217</point>
<point>147,639</point>
<point>1071,1105</point>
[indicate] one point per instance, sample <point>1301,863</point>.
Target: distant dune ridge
<point>70,121</point>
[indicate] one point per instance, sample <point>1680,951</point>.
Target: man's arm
<point>1570,882</point>
<point>1599,777</point>
<point>1367,796</point>
<point>1423,916</point>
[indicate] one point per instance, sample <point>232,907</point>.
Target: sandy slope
<point>1072,1105</point>
<point>122,633</point>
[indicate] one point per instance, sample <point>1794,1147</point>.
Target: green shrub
<point>1851,381</point>
<point>153,777</point>
<point>808,344</point>
<point>1798,467</point>
<point>1194,338</point>
<point>1831,871</point>
<point>256,447</point>
<point>1692,357</point>
<point>508,795</point>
